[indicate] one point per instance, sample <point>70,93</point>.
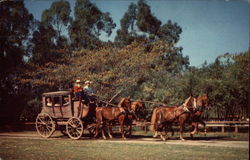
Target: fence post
<point>236,129</point>
<point>223,129</point>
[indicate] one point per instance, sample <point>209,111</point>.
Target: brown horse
<point>137,112</point>
<point>202,102</point>
<point>110,115</point>
<point>164,116</point>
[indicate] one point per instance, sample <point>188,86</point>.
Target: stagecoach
<point>60,111</point>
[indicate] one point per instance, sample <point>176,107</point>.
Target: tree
<point>169,32</point>
<point>146,21</point>
<point>57,17</point>
<point>42,44</point>
<point>48,39</point>
<point>127,34</point>
<point>88,24</point>
<point>139,23</point>
<point>15,22</point>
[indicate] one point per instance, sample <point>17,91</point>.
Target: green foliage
<point>127,34</point>
<point>227,82</point>
<point>42,44</point>
<point>146,21</point>
<point>146,65</point>
<point>170,32</point>
<point>15,22</point>
<point>88,24</point>
<point>58,16</point>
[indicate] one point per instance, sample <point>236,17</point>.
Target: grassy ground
<point>66,149</point>
<point>200,135</point>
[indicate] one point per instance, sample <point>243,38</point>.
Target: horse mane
<point>187,101</point>
<point>200,99</point>
<point>120,104</point>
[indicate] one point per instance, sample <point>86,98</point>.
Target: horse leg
<point>102,128</point>
<point>103,133</point>
<point>204,125</point>
<point>129,130</point>
<point>170,128</point>
<point>181,131</point>
<point>122,130</point>
<point>166,132</point>
<point>121,122</point>
<point>162,137</point>
<point>110,131</point>
<point>155,134</point>
<point>194,127</point>
<point>160,131</point>
<point>97,128</point>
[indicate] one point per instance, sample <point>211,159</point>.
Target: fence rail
<point>209,124</point>
<point>225,124</point>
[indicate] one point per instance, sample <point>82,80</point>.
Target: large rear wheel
<point>45,125</point>
<point>74,128</point>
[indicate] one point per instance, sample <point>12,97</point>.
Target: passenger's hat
<point>88,82</point>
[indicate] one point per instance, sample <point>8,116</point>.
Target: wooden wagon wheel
<point>74,128</point>
<point>45,125</point>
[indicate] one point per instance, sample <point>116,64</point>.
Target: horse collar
<point>185,108</point>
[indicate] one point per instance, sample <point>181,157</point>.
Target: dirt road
<point>213,142</point>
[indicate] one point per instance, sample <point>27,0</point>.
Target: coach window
<point>65,100</point>
<point>48,101</point>
<point>57,101</point>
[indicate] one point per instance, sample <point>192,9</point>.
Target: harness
<point>185,108</point>
<point>122,111</point>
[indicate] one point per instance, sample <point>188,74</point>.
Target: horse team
<point>162,119</point>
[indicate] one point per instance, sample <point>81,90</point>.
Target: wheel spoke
<point>45,125</point>
<point>74,128</point>
<point>79,131</point>
<point>71,123</point>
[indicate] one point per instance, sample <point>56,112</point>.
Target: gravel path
<point>220,143</point>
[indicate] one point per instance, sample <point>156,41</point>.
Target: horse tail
<point>153,120</point>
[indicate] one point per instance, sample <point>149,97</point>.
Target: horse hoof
<point>193,132</point>
<point>182,139</point>
<point>155,135</point>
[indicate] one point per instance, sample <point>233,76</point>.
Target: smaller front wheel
<point>74,128</point>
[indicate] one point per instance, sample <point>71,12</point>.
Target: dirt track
<point>204,142</point>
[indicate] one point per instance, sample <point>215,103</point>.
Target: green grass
<point>66,149</point>
<point>201,135</point>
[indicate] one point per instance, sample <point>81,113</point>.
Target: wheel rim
<point>74,128</point>
<point>45,125</point>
